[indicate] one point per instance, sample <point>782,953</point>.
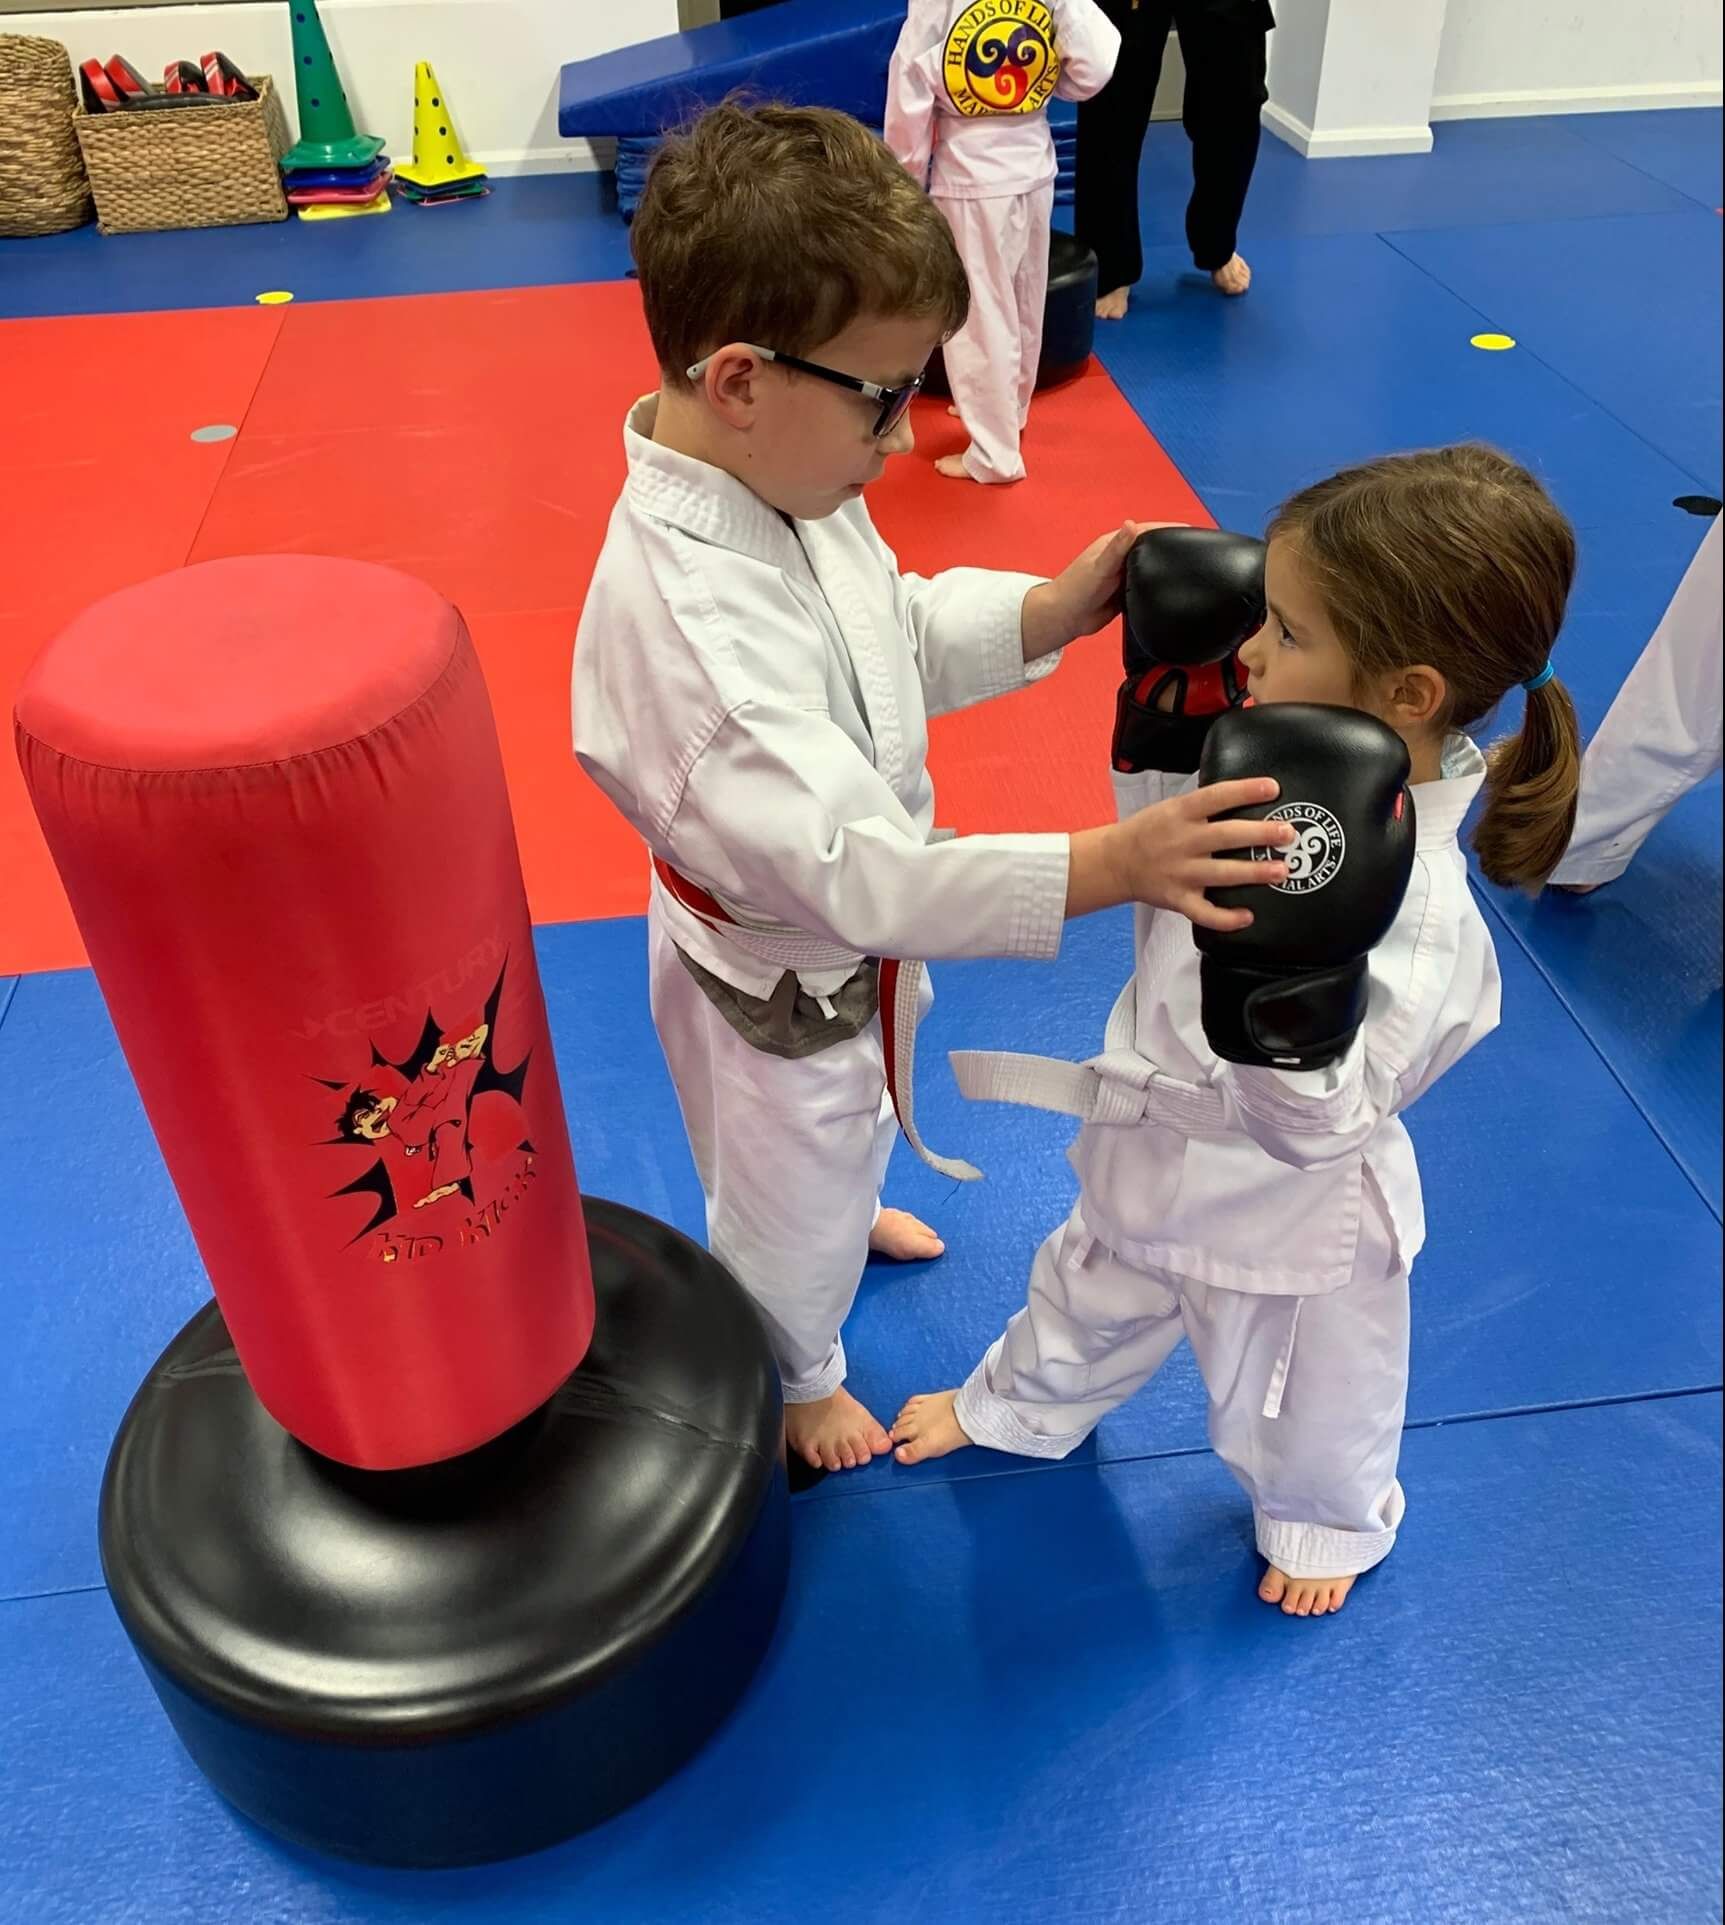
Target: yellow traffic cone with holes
<point>440,169</point>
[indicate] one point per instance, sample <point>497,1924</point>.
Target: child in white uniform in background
<point>1271,1217</point>
<point>1662,735</point>
<point>966,112</point>
<point>752,685</point>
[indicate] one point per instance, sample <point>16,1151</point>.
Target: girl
<point>1419,588</point>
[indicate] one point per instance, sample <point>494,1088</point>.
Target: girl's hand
<point>1084,596</point>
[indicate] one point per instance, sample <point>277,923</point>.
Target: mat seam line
<point>1534,355</point>
<point>6,1000</point>
<point>1035,1466</point>
<point>1647,173</point>
<point>1520,940</point>
<point>282,319</point>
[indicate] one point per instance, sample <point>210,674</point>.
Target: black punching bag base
<point>1068,320</point>
<point>460,1663</point>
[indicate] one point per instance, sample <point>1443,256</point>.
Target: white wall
<point>1557,56</point>
<point>496,59</point>
<point>1354,76</point>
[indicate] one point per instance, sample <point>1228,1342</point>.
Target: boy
<point>966,111</point>
<point>753,679</point>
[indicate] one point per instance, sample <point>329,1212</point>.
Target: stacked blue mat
<point>635,155</point>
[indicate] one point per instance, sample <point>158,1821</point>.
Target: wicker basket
<point>188,167</point>
<point>43,187</point>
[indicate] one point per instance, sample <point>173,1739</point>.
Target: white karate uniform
<point>1662,734</point>
<point>1243,1208</point>
<point>984,151</point>
<point>753,693</point>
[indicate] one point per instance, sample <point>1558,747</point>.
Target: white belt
<point>1119,1086</point>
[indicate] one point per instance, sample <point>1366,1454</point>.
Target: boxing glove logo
<point>1317,851</point>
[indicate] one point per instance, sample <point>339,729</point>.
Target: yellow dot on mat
<point>276,298</point>
<point>1493,343</point>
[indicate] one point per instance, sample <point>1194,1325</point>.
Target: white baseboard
<point>1579,100</point>
<point>567,157</point>
<point>1344,142</point>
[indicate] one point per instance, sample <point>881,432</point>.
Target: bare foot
<point>952,466</point>
<point>1304,1597</point>
<point>1112,306</point>
<point>904,1238</point>
<point>928,1427</point>
<point>1576,888</point>
<point>1233,277</point>
<point>834,1433</point>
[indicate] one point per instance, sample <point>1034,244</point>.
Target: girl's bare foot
<point>834,1433</point>
<point>1112,305</point>
<point>1304,1597</point>
<point>904,1238</point>
<point>1234,277</point>
<point>928,1427</point>
<point>952,466</point>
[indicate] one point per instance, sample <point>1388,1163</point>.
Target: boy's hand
<point>1084,596</point>
<point>1168,854</point>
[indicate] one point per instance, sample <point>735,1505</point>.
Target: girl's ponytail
<point>1532,781</point>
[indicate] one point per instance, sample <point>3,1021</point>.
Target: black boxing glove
<point>1290,991</point>
<point>1192,596</point>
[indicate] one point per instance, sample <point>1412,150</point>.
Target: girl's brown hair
<point>1458,559</point>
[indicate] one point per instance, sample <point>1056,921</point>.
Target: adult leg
<point>1111,140</point>
<point>1225,93</point>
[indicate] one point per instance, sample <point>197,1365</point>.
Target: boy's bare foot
<point>1233,277</point>
<point>952,466</point>
<point>1112,305</point>
<point>904,1238</point>
<point>834,1433</point>
<point>928,1427</point>
<point>1304,1597</point>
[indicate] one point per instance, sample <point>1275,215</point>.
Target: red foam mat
<point>476,440</point>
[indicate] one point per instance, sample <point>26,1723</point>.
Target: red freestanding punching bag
<point>274,794</point>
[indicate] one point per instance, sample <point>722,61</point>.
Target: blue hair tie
<point>1539,681</point>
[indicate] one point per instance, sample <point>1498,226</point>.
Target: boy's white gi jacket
<point>1275,1181</point>
<point>753,694</point>
<point>969,84</point>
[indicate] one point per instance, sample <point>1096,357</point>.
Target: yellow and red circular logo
<point>1000,58</point>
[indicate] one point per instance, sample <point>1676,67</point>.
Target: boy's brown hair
<point>780,226</point>
<point>1457,558</point>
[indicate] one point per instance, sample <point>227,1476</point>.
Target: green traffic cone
<point>326,131</point>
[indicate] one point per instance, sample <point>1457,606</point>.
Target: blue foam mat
<point>1680,146</point>
<point>1631,316</point>
<point>1520,1300</point>
<point>533,232</point>
<point>1345,349</point>
<point>1055,1697</point>
<point>1478,170</point>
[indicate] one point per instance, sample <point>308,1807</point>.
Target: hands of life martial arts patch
<point>1000,58</point>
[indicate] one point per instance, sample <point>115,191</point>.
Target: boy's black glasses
<point>894,402</point>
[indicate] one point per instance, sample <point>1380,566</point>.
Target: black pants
<point>1223,45</point>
